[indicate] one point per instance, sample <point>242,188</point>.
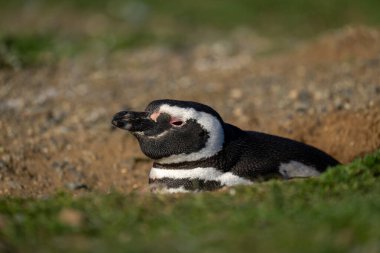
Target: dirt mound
<point>350,43</point>
<point>344,134</point>
<point>55,130</point>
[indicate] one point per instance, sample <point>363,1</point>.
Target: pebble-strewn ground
<point>55,131</point>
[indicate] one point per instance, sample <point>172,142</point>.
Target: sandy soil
<point>55,131</point>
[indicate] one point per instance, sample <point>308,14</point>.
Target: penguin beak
<point>132,121</point>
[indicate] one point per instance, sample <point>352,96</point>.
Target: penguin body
<point>194,150</point>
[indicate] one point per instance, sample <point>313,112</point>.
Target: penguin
<point>193,149</point>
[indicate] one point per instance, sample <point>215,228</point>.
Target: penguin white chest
<point>195,179</point>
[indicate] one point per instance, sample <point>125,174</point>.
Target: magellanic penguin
<point>194,150</point>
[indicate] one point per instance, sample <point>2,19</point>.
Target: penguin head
<point>173,131</point>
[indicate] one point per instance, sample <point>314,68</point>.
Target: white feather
<point>230,179</point>
<point>296,169</point>
<point>174,190</point>
<point>210,123</point>
<point>207,174</point>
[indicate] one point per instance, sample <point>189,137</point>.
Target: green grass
<point>300,17</point>
<point>30,50</point>
<point>20,51</point>
<point>173,23</point>
<point>338,212</point>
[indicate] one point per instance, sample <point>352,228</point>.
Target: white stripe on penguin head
<point>208,122</point>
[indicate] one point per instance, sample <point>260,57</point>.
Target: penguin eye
<point>176,122</point>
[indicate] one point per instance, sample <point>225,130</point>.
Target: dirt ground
<point>55,131</point>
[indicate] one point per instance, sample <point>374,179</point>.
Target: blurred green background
<point>41,30</point>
